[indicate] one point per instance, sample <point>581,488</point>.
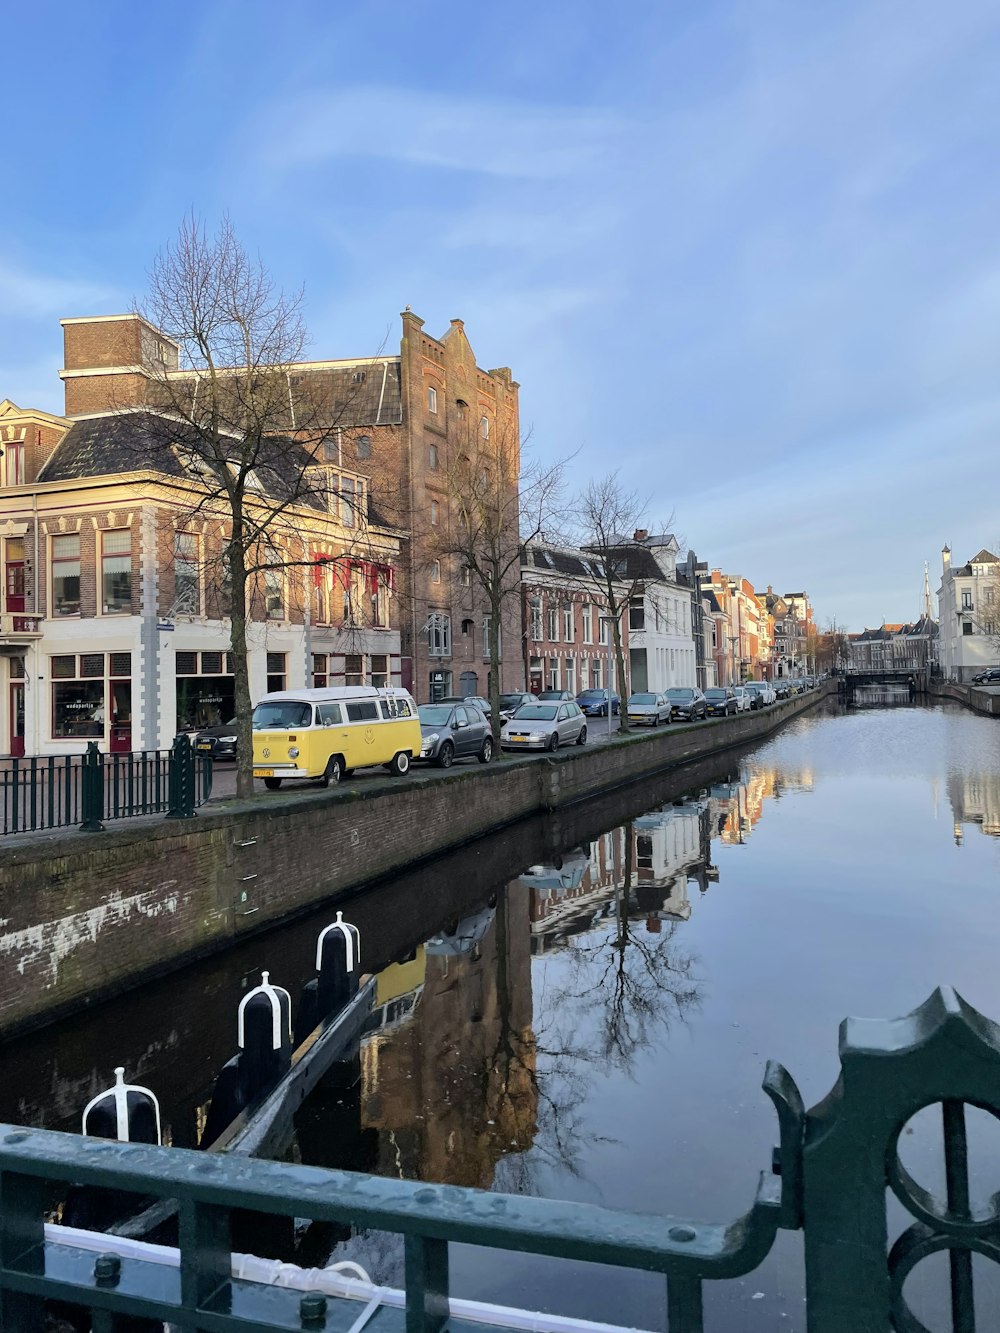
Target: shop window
<point>66,575</point>
<point>81,687</point>
<point>205,694</point>
<point>275,672</point>
<point>354,669</point>
<point>116,572</point>
<point>379,676</point>
<point>187,583</point>
<point>320,671</point>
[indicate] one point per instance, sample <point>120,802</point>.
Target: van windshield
<point>281,716</point>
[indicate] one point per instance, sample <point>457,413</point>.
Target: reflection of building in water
<point>671,848</point>
<point>450,1088</point>
<point>975,799</point>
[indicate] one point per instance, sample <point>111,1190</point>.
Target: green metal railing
<point>831,1177</point>
<point>82,791</point>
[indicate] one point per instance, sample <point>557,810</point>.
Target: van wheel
<point>486,753</point>
<point>272,784</point>
<point>446,755</point>
<point>333,771</point>
<point>400,764</point>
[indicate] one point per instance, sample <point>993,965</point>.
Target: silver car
<point>545,726</point>
<point>648,709</point>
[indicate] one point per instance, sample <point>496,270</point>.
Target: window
<point>988,596</point>
<point>328,715</point>
<point>966,599</point>
<point>66,575</point>
<point>439,634</point>
<point>466,627</point>
<point>487,631</point>
<point>362,710</point>
<point>354,669</point>
<point>465,574</point>
<point>187,585</point>
<point>484,427</point>
<point>587,616</point>
<point>604,635</point>
<point>363,447</point>
<point>320,671</point>
<point>571,674</point>
<point>436,571</point>
<point>333,447</point>
<point>432,457</point>
<point>348,502</point>
<point>432,399</point>
<point>536,618</point>
<point>358,377</point>
<point>13,463</point>
<point>116,572</point>
<point>379,674</point>
<point>595,674</point>
<point>568,626</point>
<point>275,671</point>
<point>205,692</point>
<point>435,512</point>
<point>81,688</point>
<point>967,627</point>
<point>553,624</point>
<point>636,613</point>
<point>553,673</point>
<point>274,600</point>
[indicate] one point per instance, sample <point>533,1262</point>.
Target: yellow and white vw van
<point>326,734</point>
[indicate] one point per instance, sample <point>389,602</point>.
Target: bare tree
<point>496,503</point>
<point>608,516</point>
<point>251,459</point>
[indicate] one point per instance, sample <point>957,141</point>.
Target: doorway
<point>16,718</point>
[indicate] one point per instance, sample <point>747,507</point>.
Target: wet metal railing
<point>82,791</point>
<point>831,1176</point>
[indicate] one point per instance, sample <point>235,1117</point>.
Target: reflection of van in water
<point>326,734</point>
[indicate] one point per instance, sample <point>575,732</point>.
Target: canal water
<point>593,1024</point>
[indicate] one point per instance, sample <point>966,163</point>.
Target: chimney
<point>640,534</point>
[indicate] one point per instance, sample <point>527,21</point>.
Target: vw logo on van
<point>266,752</point>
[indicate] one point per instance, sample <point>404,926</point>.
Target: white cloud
<point>38,295</point>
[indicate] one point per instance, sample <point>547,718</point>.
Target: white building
<point>968,615</point>
<point>661,622</point>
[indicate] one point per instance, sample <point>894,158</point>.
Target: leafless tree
<point>497,501</point>
<point>252,460</point>
<point>608,515</point>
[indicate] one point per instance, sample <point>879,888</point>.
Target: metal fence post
<point>180,779</point>
<point>92,790</point>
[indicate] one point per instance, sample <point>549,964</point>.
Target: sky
<point>746,253</point>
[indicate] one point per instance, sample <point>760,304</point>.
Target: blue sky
<point>747,252</point>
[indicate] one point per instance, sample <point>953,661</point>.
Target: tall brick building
<point>398,421</point>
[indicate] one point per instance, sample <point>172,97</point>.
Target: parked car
<point>688,704</point>
<point>557,696</point>
<point>545,725</point>
<point>744,699</point>
<point>476,700</point>
<point>720,701</point>
<point>595,703</point>
<point>218,741</point>
<point>510,703</point>
<point>761,692</point>
<point>991,676</point>
<point>648,709</point>
<point>782,688</point>
<point>453,731</point>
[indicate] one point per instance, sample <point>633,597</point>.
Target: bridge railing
<point>833,1170</point>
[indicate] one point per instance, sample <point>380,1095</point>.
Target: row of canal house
<point>113,626</point>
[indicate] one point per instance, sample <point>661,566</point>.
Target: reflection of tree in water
<point>623,987</point>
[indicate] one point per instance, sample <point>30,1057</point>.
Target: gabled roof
<point>984,558</point>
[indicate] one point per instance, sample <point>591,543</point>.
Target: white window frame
<point>439,634</point>
<point>432,399</point>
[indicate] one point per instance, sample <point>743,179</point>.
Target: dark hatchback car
<point>687,704</point>
<point>218,741</point>
<point>595,703</point>
<point>720,701</point>
<point>991,676</point>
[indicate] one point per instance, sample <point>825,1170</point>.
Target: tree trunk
<point>622,684</point>
<point>241,672</point>
<point>496,608</point>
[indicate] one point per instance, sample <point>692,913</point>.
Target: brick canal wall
<point>980,701</point>
<point>85,916</point>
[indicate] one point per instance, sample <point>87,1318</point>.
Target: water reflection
<point>975,799</point>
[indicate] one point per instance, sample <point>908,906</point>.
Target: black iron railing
<point>83,790</point>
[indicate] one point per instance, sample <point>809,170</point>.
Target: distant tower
<point>926,611</point>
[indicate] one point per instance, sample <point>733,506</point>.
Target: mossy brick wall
<point>84,916</point>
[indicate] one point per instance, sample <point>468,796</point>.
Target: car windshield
<point>715,694</point>
<point>511,700</point>
<point>434,715</point>
<point>591,694</point>
<point>643,699</point>
<point>535,713</point>
<point>680,694</point>
<point>281,716</point>
<point>551,694</point>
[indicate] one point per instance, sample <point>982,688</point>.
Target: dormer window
<point>13,463</point>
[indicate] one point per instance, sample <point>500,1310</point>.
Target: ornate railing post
<point>180,780</point>
<point>944,1052</point>
<point>92,790</point>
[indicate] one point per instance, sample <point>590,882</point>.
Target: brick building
<point>400,423</point>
